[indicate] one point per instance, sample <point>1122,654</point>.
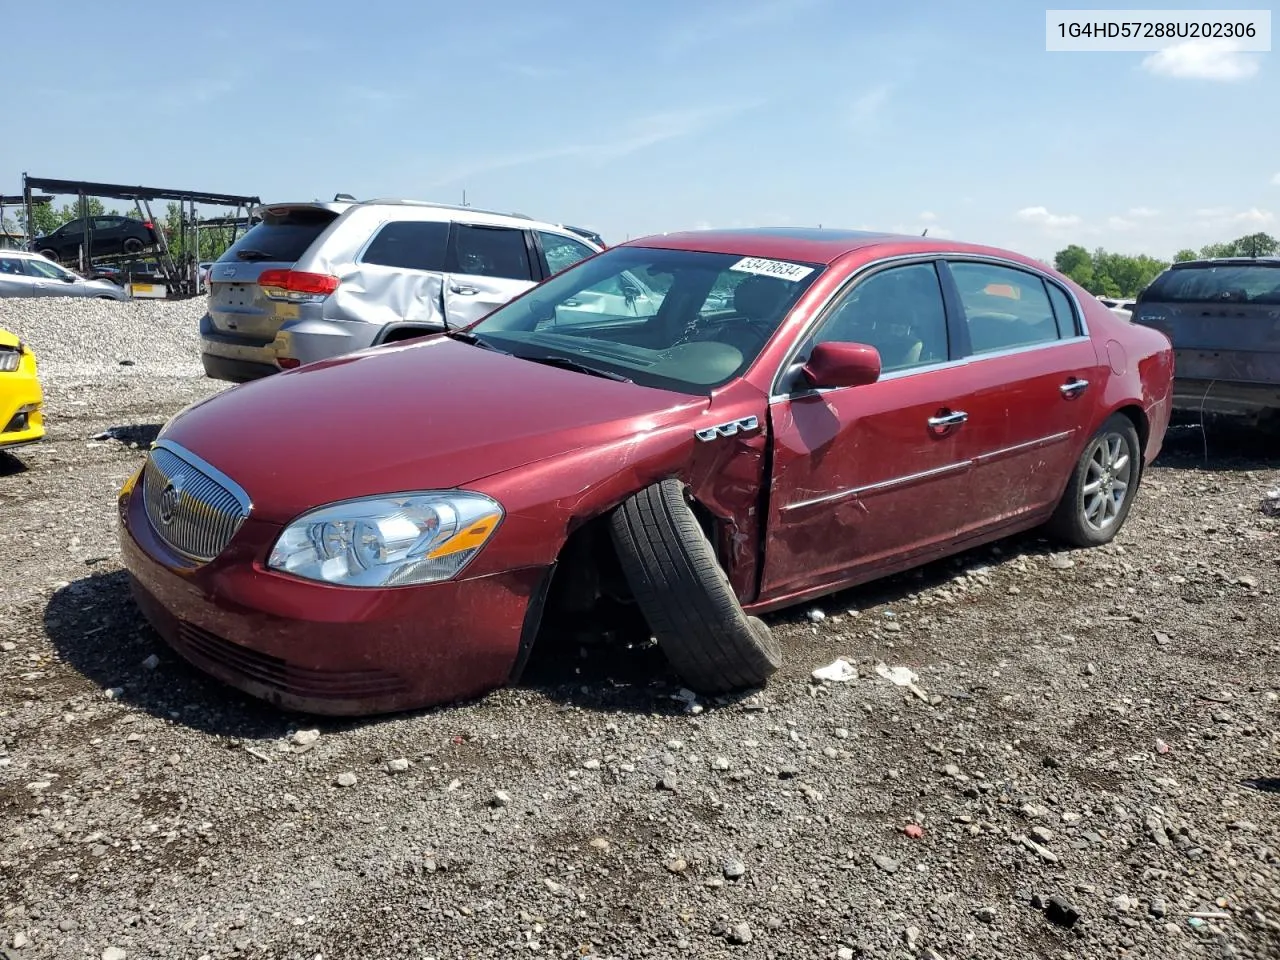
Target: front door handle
<point>465,291</point>
<point>948,420</point>
<point>1073,388</point>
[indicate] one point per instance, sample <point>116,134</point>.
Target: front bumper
<point>21,406</point>
<point>322,649</point>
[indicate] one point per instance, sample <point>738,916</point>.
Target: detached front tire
<point>685,596</point>
<point>1102,486</point>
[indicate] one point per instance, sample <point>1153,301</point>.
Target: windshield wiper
<point>566,363</point>
<point>466,336</point>
<point>253,255</point>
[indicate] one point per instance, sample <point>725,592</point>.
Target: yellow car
<point>21,398</point>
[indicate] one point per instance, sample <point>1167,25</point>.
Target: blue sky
<point>667,115</point>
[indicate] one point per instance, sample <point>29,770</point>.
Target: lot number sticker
<point>772,268</point>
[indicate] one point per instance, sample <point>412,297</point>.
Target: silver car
<point>25,274</point>
<point>317,280</point>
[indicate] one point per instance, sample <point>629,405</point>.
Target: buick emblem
<point>169,497</point>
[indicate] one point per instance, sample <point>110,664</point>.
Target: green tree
<point>1182,255</point>
<point>1077,263</point>
<point>1256,245</point>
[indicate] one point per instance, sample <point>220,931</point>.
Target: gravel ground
<point>1090,767</point>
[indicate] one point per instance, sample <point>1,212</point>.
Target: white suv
<point>317,280</point>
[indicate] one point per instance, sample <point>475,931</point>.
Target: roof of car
<point>806,244</point>
<point>1267,261</point>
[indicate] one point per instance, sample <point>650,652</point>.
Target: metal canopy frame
<point>183,278</point>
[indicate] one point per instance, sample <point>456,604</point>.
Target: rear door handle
<point>948,420</point>
<point>1073,388</point>
<point>465,291</point>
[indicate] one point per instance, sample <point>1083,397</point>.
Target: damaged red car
<point>684,432</point>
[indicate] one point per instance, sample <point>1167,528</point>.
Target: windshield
<point>675,319</point>
<point>1224,283</point>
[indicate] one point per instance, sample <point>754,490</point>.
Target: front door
<point>14,280</point>
<point>870,479</point>
<point>487,267</point>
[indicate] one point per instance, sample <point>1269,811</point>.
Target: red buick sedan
<point>681,432</point>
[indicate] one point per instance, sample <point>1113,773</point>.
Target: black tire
<point>133,245</point>
<point>685,595</point>
<point>1075,519</point>
<point>49,255</point>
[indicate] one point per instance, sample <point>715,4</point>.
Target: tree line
<point>1105,273</point>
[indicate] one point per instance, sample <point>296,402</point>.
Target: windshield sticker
<point>772,268</point>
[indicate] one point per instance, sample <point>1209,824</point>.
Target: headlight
<point>388,541</point>
<point>10,359</point>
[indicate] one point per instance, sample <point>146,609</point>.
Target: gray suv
<point>317,280</point>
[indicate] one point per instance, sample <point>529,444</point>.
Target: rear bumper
<point>1193,398</point>
<point>243,358</point>
<point>234,370</point>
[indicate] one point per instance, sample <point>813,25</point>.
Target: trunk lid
<point>238,306</point>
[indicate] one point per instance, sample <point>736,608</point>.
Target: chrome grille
<point>193,507</point>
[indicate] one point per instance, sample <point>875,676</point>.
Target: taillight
<point>288,363</point>
<point>149,225</point>
<point>296,285</point>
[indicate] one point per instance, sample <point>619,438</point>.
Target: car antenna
<point>926,232</point>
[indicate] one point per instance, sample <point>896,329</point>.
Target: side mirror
<point>837,364</point>
<point>67,278</point>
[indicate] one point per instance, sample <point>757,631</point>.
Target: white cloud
<point>1218,60</point>
<point>702,225</point>
<point>1276,180</point>
<point>1253,218</point>
<point>870,103</point>
<point>1120,223</point>
<point>1042,217</point>
<point>641,132</point>
<point>928,216</point>
<point>1143,212</point>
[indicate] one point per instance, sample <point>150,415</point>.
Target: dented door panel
<point>862,480</point>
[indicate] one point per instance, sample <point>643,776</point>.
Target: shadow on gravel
<point>1220,446</point>
<point>98,631</point>
<point>1264,784</point>
<point>11,466</point>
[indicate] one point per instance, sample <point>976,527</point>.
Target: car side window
<point>490,252</point>
<point>899,311</point>
<point>12,266</point>
<point>106,223</point>
<point>1005,308</point>
<point>561,252</point>
<point>1063,312</point>
<point>409,245</point>
<point>71,228</point>
<point>42,268</point>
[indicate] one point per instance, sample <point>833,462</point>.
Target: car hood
<point>432,415</point>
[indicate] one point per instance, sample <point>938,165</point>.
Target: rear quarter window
<point>409,245</point>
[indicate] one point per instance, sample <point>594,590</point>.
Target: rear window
<point>1225,283</point>
<point>280,238</point>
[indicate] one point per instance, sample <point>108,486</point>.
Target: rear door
<point>108,235</point>
<point>239,309</point>
<point>1035,380</point>
<point>487,266</point>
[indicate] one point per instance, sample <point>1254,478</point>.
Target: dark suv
<point>1223,317</point>
<point>100,236</point>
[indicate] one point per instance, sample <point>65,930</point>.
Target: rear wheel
<point>685,595</point>
<point>49,254</point>
<point>1102,486</point>
<point>132,245</point>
